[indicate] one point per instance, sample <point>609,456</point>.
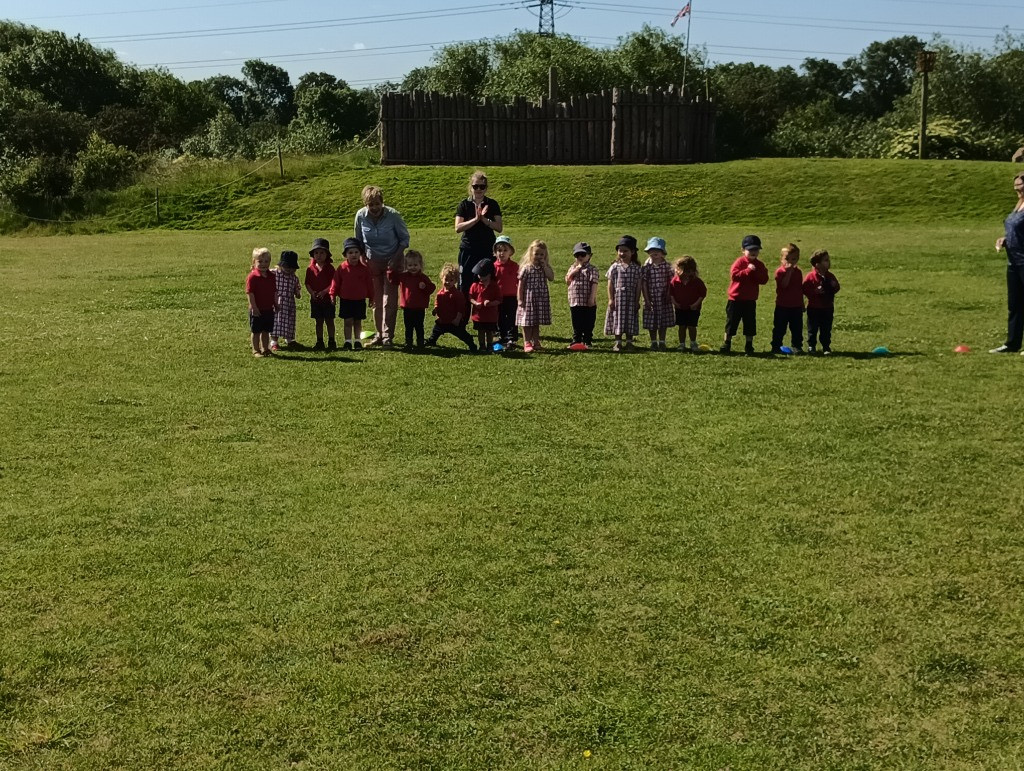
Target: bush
<point>224,138</point>
<point>35,185</point>
<point>102,166</point>
<point>818,130</point>
<point>951,139</point>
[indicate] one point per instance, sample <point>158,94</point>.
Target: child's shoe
<point>694,347</point>
<point>357,346</point>
<point>776,350</point>
<point>726,348</point>
<point>528,347</point>
<point>799,351</point>
<point>748,349</point>
<point>811,349</point>
<point>332,345</point>
<point>347,346</point>
<point>319,346</point>
<point>617,348</point>
<point>826,351</point>
<point>273,345</point>
<point>683,347</point>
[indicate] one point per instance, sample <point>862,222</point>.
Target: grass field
<point>383,560</point>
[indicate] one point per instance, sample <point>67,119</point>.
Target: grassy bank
<point>321,193</point>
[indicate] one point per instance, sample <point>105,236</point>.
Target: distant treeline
<point>74,119</point>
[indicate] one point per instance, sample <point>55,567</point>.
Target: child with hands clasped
<point>353,286</point>
<point>485,301</point>
<point>534,302</point>
<point>414,290</point>
<point>655,276</point>
<point>261,290</point>
<point>319,276</point>
<point>582,279</point>
<point>820,287</point>
<point>623,294</point>
<point>748,275</point>
<point>506,274</point>
<point>687,292</point>
<point>288,292</point>
<point>450,308</point>
<point>789,301</point>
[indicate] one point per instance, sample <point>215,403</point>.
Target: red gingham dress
<point>535,309</point>
<point>623,280</point>
<point>658,310</point>
<point>284,319</point>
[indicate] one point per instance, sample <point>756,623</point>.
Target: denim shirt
<point>1014,244</point>
<point>384,237</point>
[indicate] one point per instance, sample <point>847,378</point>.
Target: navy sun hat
<point>581,248</point>
<point>751,242</point>
<point>289,259</point>
<point>627,241</point>
<point>483,268</point>
<point>320,243</point>
<point>353,243</point>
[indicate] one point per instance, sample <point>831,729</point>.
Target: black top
<point>479,239</point>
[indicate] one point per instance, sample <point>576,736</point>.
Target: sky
<point>370,42</point>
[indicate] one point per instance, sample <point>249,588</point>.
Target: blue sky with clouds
<point>369,42</point>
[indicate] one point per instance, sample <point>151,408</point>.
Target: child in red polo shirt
<point>748,274</point>
<point>687,292</point>
<point>450,309</point>
<point>319,276</point>
<point>485,299</point>
<point>506,274</point>
<point>789,301</point>
<point>414,290</point>
<point>261,289</point>
<point>820,287</point>
<point>353,286</point>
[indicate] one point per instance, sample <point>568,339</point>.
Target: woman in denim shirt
<point>386,237</point>
<point>1013,243</point>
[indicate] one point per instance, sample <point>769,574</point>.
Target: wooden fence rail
<point>620,126</point>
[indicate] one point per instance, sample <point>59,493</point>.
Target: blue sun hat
<point>656,243</point>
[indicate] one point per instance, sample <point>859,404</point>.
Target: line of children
<point>506,294</point>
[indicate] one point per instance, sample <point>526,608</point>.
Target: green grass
<point>384,560</point>
<point>323,192</point>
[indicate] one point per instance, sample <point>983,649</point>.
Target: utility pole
<point>925,64</point>
<point>546,16</point>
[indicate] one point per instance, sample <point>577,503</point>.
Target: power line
<point>316,24</point>
<point>152,10</point>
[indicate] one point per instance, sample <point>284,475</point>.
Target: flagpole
<point>686,53</point>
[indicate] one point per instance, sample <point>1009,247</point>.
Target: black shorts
<point>351,309</point>
<point>262,323</point>
<point>485,326</point>
<point>321,310</point>
<point>686,317</point>
<point>741,310</point>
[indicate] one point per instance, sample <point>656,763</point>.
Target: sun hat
<point>627,241</point>
<point>320,243</point>
<point>504,240</point>
<point>483,268</point>
<point>656,243</point>
<point>751,242</point>
<point>289,259</point>
<point>353,243</point>
<point>582,248</point>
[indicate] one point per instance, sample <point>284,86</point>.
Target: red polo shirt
<point>263,288</point>
<point>481,293</point>
<point>686,294</point>
<point>506,275</point>
<point>747,277</point>
<point>792,296</point>
<point>318,279</point>
<point>448,305</point>
<point>352,281</point>
<point>410,294</point>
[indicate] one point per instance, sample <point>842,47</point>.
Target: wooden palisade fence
<point>620,126</point>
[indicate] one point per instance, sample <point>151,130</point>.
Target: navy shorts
<point>485,326</point>
<point>686,317</point>
<point>351,309</point>
<point>321,310</point>
<point>262,323</point>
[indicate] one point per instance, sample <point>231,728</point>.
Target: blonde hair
<point>372,193</point>
<point>412,254</point>
<point>686,263</point>
<point>258,252</point>
<point>530,255</point>
<point>476,178</point>
<point>789,249</point>
<point>448,269</point>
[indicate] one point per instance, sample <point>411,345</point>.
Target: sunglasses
<point>479,187</point>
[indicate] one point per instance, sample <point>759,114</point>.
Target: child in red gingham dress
<point>623,294</point>
<point>655,276</point>
<point>534,302</point>
<point>288,292</point>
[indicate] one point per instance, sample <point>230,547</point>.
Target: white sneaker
<point>1002,349</point>
<point>694,347</point>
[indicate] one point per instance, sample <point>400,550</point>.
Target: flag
<point>681,14</point>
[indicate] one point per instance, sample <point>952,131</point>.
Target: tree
<point>653,58</point>
<point>824,79</point>
<point>229,92</point>
<point>882,73</point>
<point>522,61</point>
<point>751,99</point>
<point>270,94</point>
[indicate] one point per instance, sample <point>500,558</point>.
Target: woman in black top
<point>478,218</point>
<point>1013,243</point>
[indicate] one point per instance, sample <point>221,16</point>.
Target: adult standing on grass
<point>1013,243</point>
<point>386,237</point>
<point>478,218</point>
